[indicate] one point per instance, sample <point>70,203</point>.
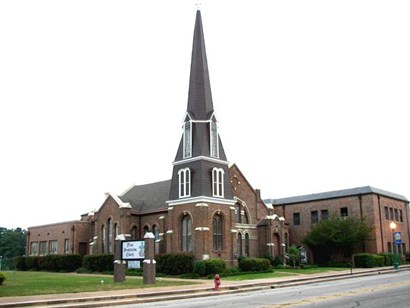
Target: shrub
<point>378,260</point>
<point>2,278</point>
<point>388,258</point>
<point>200,268</point>
<point>99,263</point>
<point>209,267</point>
<point>277,260</point>
<point>69,263</point>
<point>20,263</point>
<point>364,260</point>
<point>254,264</point>
<point>32,263</point>
<point>175,264</point>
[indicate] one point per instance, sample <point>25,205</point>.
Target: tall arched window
<point>156,232</point>
<point>186,233</point>
<point>239,245</point>
<point>103,238</point>
<point>214,146</point>
<point>110,234</point>
<point>217,182</point>
<point>116,233</point>
<point>134,234</point>
<point>217,232</point>
<point>247,245</point>
<point>187,152</point>
<point>184,182</point>
<point>240,214</point>
<point>156,236</point>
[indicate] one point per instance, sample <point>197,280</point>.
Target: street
<point>370,291</point>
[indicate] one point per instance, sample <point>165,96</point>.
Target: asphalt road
<point>382,290</point>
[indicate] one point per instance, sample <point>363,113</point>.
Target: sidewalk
<point>203,288</point>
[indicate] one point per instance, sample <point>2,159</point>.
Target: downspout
<point>72,244</point>
<point>361,217</point>
<point>380,221</point>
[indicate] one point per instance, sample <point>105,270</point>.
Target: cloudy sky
<point>311,96</point>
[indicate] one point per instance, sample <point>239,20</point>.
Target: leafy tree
<point>336,238</point>
<point>294,255</point>
<point>12,244</point>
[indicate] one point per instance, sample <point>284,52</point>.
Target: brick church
<point>208,207</point>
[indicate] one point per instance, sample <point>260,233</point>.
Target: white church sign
<point>132,250</point>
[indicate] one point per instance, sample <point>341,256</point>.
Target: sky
<point>311,96</point>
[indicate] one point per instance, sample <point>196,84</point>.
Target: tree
<point>12,244</point>
<point>336,238</point>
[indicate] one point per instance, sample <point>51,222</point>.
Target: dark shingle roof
<point>336,194</point>
<point>148,197</point>
<point>200,105</point>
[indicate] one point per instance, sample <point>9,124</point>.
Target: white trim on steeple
<point>196,158</point>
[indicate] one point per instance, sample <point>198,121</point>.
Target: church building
<point>208,207</point>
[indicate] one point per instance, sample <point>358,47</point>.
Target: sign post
<point>149,261</point>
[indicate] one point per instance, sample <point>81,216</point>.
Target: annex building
<point>208,207</point>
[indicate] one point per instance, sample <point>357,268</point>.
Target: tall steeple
<point>200,106</point>
<point>201,171</point>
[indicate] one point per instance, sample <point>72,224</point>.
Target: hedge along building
<point>207,208</point>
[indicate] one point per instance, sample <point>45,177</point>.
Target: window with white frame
<point>43,248</point>
<point>186,235</point>
<point>217,232</point>
<point>187,139</point>
<point>66,246</point>
<point>34,249</point>
<point>53,247</point>
<point>103,238</point>
<point>184,182</point>
<point>110,235</point>
<point>214,139</point>
<point>217,182</point>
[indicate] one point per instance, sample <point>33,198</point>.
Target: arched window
<point>217,232</point>
<point>214,146</point>
<point>134,234</point>
<point>187,152</point>
<point>186,233</point>
<point>239,245</point>
<point>156,232</point>
<point>218,182</point>
<point>184,182</point>
<point>110,234</point>
<point>146,229</point>
<point>247,245</point>
<point>116,233</point>
<point>156,236</point>
<point>103,238</point>
<point>240,214</point>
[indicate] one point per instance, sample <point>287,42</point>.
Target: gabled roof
<point>336,194</point>
<point>148,197</point>
<point>200,105</point>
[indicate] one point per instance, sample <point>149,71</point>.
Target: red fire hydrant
<point>217,281</point>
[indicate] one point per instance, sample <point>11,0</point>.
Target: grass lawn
<point>282,272</point>
<point>20,283</point>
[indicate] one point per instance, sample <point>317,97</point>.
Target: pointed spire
<point>200,105</point>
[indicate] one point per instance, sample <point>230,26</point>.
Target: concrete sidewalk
<point>197,289</point>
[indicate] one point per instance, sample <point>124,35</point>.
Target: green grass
<point>19,283</point>
<point>282,273</point>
